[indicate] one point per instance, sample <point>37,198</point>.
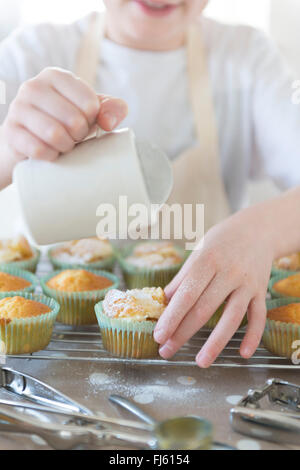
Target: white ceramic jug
<point>59,200</point>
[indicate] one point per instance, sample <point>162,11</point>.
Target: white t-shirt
<point>259,127</point>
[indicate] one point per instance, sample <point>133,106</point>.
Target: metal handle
<point>132,408</point>
<point>38,392</point>
<point>58,436</point>
<point>265,424</point>
<point>66,436</point>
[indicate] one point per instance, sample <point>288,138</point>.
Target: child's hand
<point>52,112</point>
<point>234,264</point>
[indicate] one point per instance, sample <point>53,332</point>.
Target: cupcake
<point>18,253</point>
<point>77,291</point>
<point>282,327</point>
<point>95,253</point>
<point>214,320</point>
<point>285,286</point>
<point>127,321</point>
<point>286,265</point>
<point>26,323</point>
<point>17,281</point>
<point>151,264</point>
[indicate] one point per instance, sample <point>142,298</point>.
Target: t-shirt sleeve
<point>276,116</point>
<point>25,53</point>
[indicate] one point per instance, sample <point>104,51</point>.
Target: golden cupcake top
<point>137,304</point>
<point>15,249</point>
<point>286,313</point>
<point>78,280</point>
<point>9,283</point>
<point>12,308</point>
<point>155,255</point>
<point>288,263</point>
<point>289,286</point>
<point>85,251</point>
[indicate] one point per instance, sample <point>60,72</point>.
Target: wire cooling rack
<point>85,344</point>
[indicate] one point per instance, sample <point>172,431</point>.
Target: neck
<point>123,38</point>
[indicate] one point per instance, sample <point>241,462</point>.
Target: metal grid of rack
<point>84,344</point>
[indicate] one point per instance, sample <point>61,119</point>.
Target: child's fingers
<point>190,325</point>
<point>177,280</point>
<point>23,142</point>
<point>74,90</point>
<point>229,323</point>
<point>183,300</point>
<point>211,299</point>
<point>45,128</point>
<point>47,100</point>
<point>257,313</point>
<point>112,112</point>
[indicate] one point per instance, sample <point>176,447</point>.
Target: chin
<point>135,26</point>
<point>154,29</point>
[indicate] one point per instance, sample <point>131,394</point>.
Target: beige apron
<point>197,172</point>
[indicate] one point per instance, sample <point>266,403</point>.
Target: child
<point>216,98</point>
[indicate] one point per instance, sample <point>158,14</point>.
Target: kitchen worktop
<point>162,390</point>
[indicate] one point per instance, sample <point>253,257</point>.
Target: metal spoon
<point>185,433</point>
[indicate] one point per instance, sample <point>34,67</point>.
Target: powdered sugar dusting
<point>186,380</point>
<point>155,255</point>
<point>98,379</point>
<point>83,251</point>
<point>139,304</point>
<point>145,393</point>
<point>143,398</point>
<point>189,285</point>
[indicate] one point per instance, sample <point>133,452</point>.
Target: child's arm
<point>235,263</point>
<point>50,114</point>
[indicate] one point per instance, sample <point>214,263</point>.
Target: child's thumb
<point>112,112</point>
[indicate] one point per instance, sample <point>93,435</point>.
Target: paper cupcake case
<point>282,272</point>
<point>128,339</point>
<point>214,320</point>
<point>279,336</point>
<point>78,308</point>
<point>28,335</point>
<point>28,276</point>
<point>278,295</point>
<point>26,265</point>
<point>106,264</point>
<point>138,278</point>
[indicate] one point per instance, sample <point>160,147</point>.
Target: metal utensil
<point>66,436</point>
<point>183,433</point>
<point>80,427</point>
<point>276,426</point>
<point>32,389</point>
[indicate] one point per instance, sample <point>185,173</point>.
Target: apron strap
<point>201,97</point>
<point>201,163</point>
<point>88,55</point>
